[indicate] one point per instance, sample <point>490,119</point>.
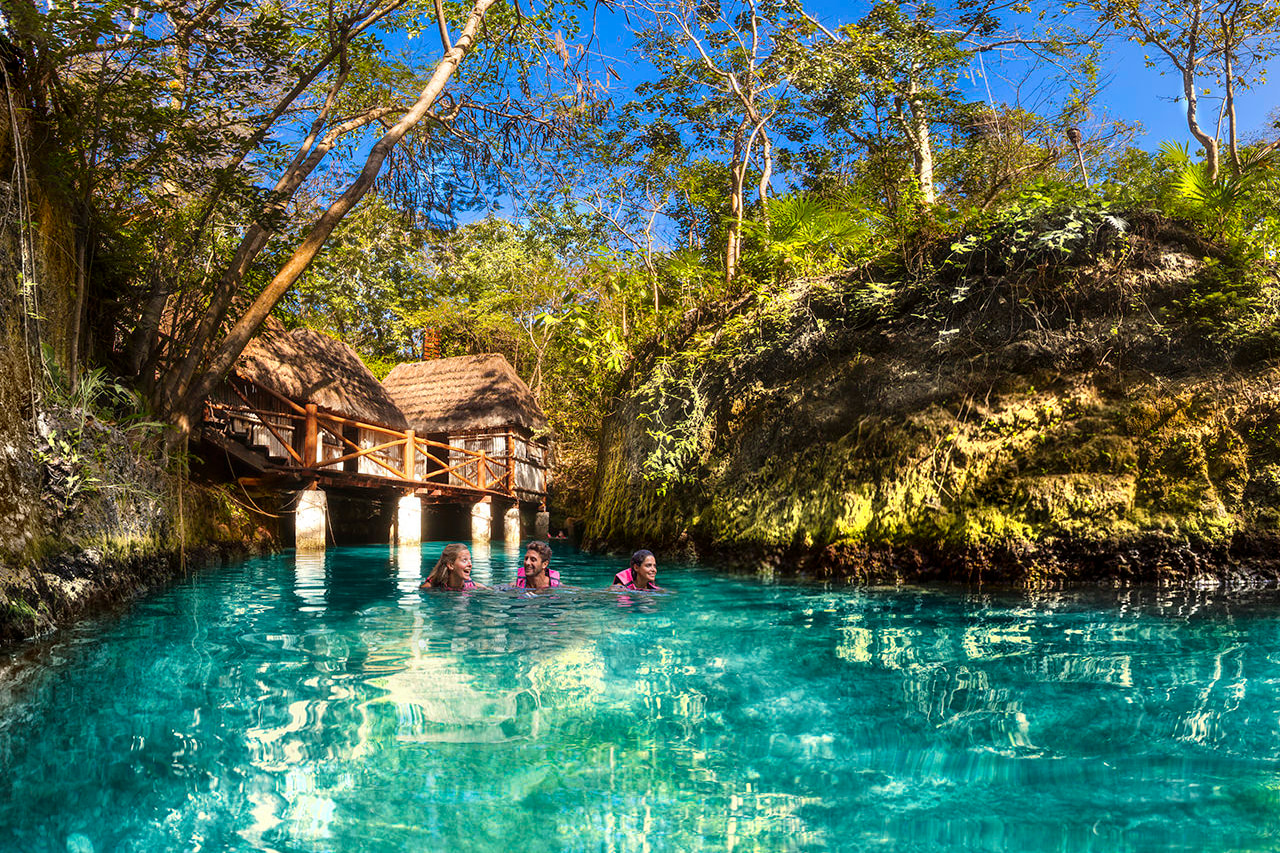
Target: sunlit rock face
<point>1032,424</point>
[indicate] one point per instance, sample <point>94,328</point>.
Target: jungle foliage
<point>521,204</point>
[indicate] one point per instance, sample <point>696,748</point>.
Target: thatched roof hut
<point>310,367</point>
<point>464,394</point>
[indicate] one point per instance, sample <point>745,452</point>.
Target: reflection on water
<point>324,703</point>
<point>310,582</point>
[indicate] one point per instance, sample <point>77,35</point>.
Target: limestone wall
<point>1074,430</point>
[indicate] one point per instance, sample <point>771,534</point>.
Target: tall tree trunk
<point>1228,56</point>
<point>924,157</point>
<point>737,184</point>
<point>75,331</point>
<point>143,340</point>
<point>766,171</point>
<point>916,125</point>
<point>1189,90</point>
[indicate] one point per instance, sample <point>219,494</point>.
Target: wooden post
<point>410,455</point>
<point>511,463</point>
<point>482,477</point>
<point>309,456</point>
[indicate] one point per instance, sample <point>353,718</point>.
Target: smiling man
<point>536,572</point>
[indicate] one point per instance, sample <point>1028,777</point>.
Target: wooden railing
<point>300,431</point>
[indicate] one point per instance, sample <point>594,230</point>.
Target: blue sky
<point>1134,93</point>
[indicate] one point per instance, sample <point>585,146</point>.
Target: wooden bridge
<point>283,445</point>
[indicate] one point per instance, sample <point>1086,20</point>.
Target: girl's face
<point>645,573</point>
<point>461,567</point>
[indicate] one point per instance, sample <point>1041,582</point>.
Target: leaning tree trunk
<point>1210,144</point>
<point>183,411</point>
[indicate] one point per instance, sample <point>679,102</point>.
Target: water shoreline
<point>80,582</point>
<point>77,583</point>
<point>1246,562</point>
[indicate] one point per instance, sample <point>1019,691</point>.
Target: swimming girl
<point>642,574</point>
<point>452,571</point>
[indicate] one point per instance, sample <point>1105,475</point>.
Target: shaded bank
<point>1101,410</point>
<point>128,525</point>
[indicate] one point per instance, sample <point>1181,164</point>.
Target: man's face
<point>534,564</point>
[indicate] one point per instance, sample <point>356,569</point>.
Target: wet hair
<point>543,549</point>
<point>440,574</point>
<point>640,556</point>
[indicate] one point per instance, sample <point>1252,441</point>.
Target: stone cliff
<point>90,511</point>
<point>1012,408</point>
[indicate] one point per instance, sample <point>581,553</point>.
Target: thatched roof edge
<point>464,393</point>
<point>308,366</point>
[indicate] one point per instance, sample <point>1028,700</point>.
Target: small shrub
<point>1039,229</point>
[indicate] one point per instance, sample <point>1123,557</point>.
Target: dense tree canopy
<point>383,169</point>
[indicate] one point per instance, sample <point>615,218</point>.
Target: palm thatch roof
<point>467,392</point>
<point>310,367</point>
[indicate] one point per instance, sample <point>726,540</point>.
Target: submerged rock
<point>78,843</point>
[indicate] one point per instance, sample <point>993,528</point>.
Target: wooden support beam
<point>410,458</point>
<point>265,483</point>
<point>309,456</point>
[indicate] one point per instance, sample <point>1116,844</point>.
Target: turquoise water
<point>326,705</point>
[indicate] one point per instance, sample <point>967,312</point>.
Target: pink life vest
<point>553,578</point>
<point>627,580</point>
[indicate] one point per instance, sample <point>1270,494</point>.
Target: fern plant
<point>1234,204</point>
<point>806,234</point>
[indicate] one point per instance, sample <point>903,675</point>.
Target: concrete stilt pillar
<point>511,524</point>
<point>482,521</point>
<point>542,525</point>
<point>309,532</point>
<point>409,520</point>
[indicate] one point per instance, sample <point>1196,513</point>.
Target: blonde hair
<point>440,574</point>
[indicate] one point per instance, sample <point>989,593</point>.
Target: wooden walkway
<point>287,444</point>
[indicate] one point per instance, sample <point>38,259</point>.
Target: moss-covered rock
<point>1034,427</point>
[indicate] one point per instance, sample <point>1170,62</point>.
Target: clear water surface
<point>324,704</point>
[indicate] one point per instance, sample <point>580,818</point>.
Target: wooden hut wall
<point>467,470</point>
<point>275,448</point>
<point>392,456</point>
<point>249,426</point>
<point>528,459</point>
<point>421,466</point>
<point>457,463</point>
<point>329,447</point>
